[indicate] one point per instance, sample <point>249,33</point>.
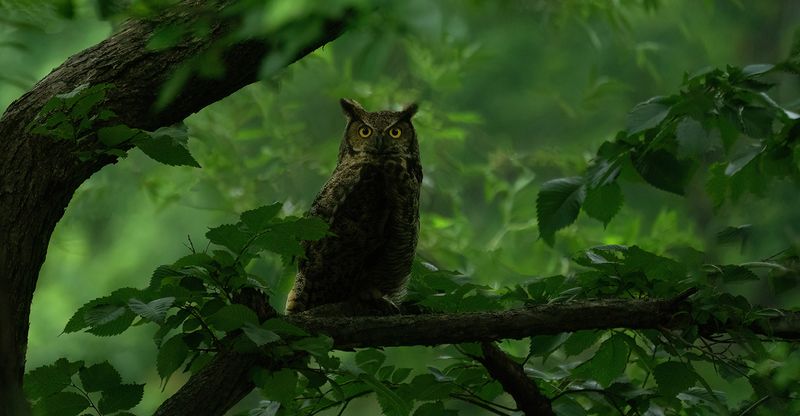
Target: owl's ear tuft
<point>409,111</point>
<point>352,109</point>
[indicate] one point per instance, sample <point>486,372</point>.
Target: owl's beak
<point>380,141</point>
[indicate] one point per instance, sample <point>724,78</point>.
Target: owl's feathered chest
<point>360,188</point>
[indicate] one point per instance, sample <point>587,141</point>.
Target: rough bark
<point>38,176</point>
<point>453,328</point>
<point>515,382</point>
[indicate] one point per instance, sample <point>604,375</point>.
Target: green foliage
<point>504,111</point>
<point>76,116</point>
<point>69,388</point>
<point>741,132</point>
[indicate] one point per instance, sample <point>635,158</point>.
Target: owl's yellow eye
<point>364,131</point>
<point>395,132</point>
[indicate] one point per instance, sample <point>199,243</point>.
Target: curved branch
<point>38,176</point>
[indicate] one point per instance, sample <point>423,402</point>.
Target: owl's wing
<point>354,205</point>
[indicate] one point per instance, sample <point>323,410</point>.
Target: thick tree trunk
<point>38,176</point>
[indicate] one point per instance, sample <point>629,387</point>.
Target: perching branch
<point>453,328</point>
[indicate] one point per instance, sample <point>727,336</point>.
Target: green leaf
<point>230,236</point>
<point>579,341</point>
<point>608,363</point>
<point>673,377</point>
<point>544,345</point>
<point>116,135</point>
<point>259,335</point>
<point>425,387</point>
<point>391,403</point>
<point>434,409</point>
<point>734,273</point>
<point>743,158</point>
<point>717,184</point>
<point>370,360</point>
<point>258,219</point>
<point>232,317</point>
<point>47,380</point>
<point>317,345</point>
<point>155,310</point>
<point>99,377</point>
<point>168,146</point>
<point>283,328</point>
<point>603,203</point>
<point>97,311</point>
<point>646,115</point>
<point>757,69</point>
<point>265,408</point>
<point>61,404</point>
<point>279,386</point>
<point>171,356</point>
<point>737,234</point>
<point>558,204</point>
<point>121,397</point>
<point>693,140</point>
<point>663,170</point>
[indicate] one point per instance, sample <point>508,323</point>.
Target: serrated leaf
<point>544,345</point>
<point>258,219</point>
<point>673,377</point>
<point>558,204</point>
<point>391,403</point>
<point>105,326</point>
<point>608,363</point>
<point>693,140</point>
<point>265,408</point>
<point>168,146</point>
<point>121,397</point>
<point>425,387</point>
<point>434,409</point>
<point>46,380</point>
<point>232,317</point>
<point>154,310</point>
<point>316,345</point>
<point>737,234</point>
<point>283,328</point>
<point>171,356</point>
<point>603,203</point>
<point>115,135</point>
<point>279,386</point>
<point>735,273</point>
<point>757,69</point>
<point>63,403</point>
<point>370,360</point>
<point>230,236</point>
<point>645,116</point>
<point>259,335</point>
<point>663,170</point>
<point>99,377</point>
<point>743,158</point>
<point>580,341</point>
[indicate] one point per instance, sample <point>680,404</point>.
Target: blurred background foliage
<point>511,93</point>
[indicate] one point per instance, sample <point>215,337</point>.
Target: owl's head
<point>378,133</point>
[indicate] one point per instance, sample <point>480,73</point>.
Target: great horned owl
<point>371,203</point>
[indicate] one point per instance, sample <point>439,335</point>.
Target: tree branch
<point>452,328</point>
<point>515,382</point>
<point>38,176</point>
